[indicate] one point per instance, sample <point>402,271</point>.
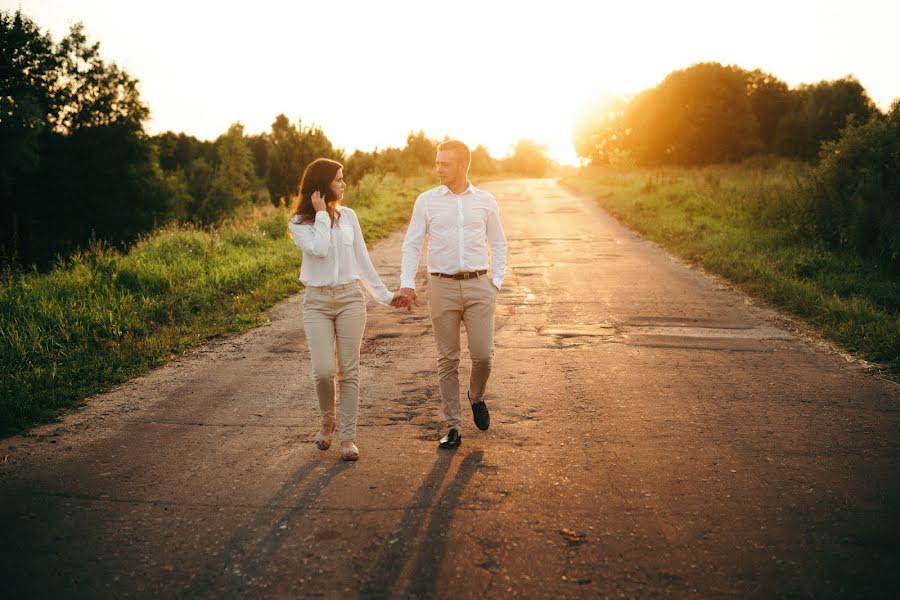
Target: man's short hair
<point>458,146</point>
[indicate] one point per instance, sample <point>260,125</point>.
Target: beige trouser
<point>334,318</point>
<point>471,301</point>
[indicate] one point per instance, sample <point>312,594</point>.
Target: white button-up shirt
<point>336,255</point>
<point>464,234</point>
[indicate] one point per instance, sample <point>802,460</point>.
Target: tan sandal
<point>350,452</point>
<point>323,440</point>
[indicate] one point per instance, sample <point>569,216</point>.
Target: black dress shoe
<point>451,440</point>
<point>481,415</point>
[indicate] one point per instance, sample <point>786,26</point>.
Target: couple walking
<point>466,266</point>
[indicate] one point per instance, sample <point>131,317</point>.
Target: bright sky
<point>487,71</point>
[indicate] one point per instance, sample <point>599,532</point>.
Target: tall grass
<point>101,316</point>
<point>750,223</point>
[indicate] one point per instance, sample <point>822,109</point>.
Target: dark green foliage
<point>856,190</point>
<point>359,164</point>
<point>817,113</point>
<point>79,166</point>
<point>219,176</point>
<point>235,183</point>
<point>289,149</point>
<point>415,159</point>
<point>95,183</point>
<point>179,151</point>
<point>770,99</point>
<point>90,93</point>
<point>28,75</point>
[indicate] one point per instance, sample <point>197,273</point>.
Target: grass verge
<point>102,317</point>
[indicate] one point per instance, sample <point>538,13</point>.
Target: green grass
<point>745,222</point>
<point>102,317</point>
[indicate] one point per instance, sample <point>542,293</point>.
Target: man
<point>462,224</point>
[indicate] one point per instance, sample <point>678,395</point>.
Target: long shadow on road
<point>388,570</point>
<point>256,543</point>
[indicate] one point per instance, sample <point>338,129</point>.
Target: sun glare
<point>488,73</point>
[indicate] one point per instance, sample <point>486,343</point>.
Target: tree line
<point>78,166</point>
<point>711,113</point>
<point>211,179</point>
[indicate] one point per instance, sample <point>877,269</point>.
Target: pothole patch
<point>571,331</point>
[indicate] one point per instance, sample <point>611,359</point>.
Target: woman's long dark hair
<point>317,177</point>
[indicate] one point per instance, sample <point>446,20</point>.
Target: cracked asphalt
<point>654,434</point>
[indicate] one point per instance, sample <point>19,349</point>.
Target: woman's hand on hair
<point>318,201</point>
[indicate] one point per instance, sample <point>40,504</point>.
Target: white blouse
<point>336,255</point>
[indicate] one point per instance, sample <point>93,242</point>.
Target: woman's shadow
<point>429,553</point>
<point>254,544</point>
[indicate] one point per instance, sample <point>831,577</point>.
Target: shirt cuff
<point>408,283</point>
<point>322,215</point>
<point>497,284</point>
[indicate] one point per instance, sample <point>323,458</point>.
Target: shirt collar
<point>444,190</point>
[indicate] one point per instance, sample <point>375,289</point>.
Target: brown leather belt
<point>468,275</point>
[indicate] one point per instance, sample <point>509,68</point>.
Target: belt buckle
<point>466,275</point>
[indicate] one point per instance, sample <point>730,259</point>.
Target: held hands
<point>405,298</point>
<point>400,302</point>
<point>318,201</point>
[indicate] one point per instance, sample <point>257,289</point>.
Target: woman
<point>334,309</point>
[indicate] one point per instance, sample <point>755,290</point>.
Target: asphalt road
<point>654,434</point>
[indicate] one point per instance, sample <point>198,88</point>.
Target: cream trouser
<point>471,301</point>
<point>334,318</point>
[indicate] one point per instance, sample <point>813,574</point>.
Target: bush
<point>857,189</point>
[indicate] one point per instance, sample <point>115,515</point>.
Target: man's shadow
<point>401,548</point>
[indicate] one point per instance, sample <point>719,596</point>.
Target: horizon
<point>529,80</point>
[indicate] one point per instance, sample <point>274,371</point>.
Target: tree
<point>189,166</point>
<point>260,149</point>
<point>770,100</point>
<point>177,151</point>
<point>95,183</point>
<point>359,164</point>
<point>291,148</point>
<point>29,67</point>
<point>529,158</point>
<point>818,114</point>
<point>599,130</point>
<point>286,154</point>
<point>482,161</point>
<point>90,93</point>
<point>420,151</point>
<point>80,165</point>
<point>696,116</point>
<point>234,183</point>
